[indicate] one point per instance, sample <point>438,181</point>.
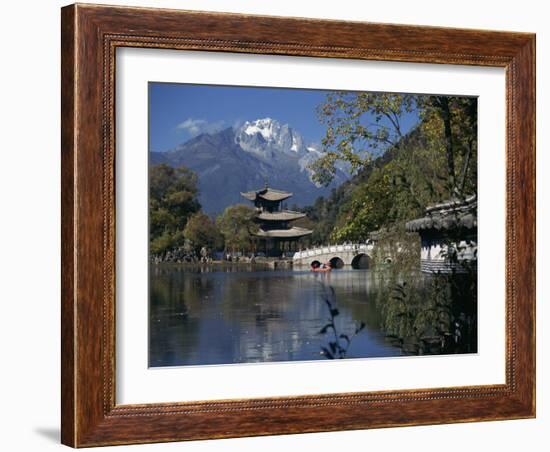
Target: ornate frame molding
<point>90,37</point>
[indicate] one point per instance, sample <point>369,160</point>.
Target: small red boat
<point>317,267</point>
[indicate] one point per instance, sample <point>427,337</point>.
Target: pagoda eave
<point>285,215</point>
<point>267,194</point>
<point>292,233</point>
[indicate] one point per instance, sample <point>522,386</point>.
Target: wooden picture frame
<point>90,36</point>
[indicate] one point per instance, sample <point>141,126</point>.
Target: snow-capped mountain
<point>245,158</point>
<point>268,139</point>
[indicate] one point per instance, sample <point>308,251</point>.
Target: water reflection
<point>241,315</point>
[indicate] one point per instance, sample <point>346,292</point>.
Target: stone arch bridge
<point>357,255</point>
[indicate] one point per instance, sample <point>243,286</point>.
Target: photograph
<point>270,219</point>
<point>292,224</point>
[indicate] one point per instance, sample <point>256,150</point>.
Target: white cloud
<point>195,127</point>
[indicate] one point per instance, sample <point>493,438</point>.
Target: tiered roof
<point>283,215</point>
<point>293,232</point>
<point>269,194</point>
<point>452,214</point>
<point>268,219</point>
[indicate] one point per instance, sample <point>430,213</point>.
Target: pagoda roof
<point>294,232</point>
<point>269,194</point>
<point>284,215</point>
<point>448,215</point>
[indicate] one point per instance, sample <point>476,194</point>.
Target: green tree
<point>172,200</point>
<point>449,124</point>
<point>203,232</point>
<point>237,226</point>
<point>359,127</point>
<point>369,209</point>
<point>396,175</point>
<point>362,126</point>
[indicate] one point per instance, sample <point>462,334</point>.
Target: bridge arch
<point>361,261</point>
<point>336,262</point>
<point>356,255</point>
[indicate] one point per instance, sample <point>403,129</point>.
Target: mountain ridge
<point>236,160</point>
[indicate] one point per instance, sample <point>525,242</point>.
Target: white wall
<point>29,263</point>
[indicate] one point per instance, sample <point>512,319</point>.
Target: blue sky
<point>177,112</point>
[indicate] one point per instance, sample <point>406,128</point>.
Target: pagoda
<point>275,233</point>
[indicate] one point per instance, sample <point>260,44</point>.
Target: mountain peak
<point>266,127</point>
<point>239,159</point>
<point>267,138</point>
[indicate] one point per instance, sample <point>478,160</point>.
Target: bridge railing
<point>330,249</point>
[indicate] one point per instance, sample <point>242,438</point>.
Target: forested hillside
<point>396,175</point>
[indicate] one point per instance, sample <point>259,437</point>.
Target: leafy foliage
<point>437,315</point>
<point>340,342</point>
<point>395,175</point>
<point>202,231</point>
<point>360,126</point>
<point>237,226</point>
<point>172,200</point>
